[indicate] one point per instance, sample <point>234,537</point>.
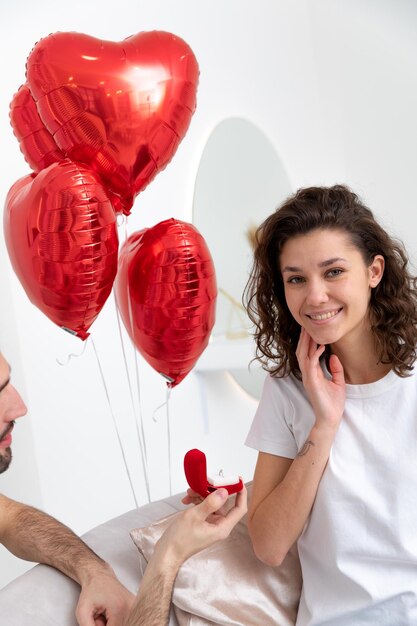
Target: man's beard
<point>6,456</point>
<point>5,459</point>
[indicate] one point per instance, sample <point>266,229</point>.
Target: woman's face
<point>328,285</point>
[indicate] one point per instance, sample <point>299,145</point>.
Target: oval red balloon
<point>166,292</point>
<point>122,108</point>
<point>61,236</point>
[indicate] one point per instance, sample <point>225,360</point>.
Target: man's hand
<point>189,532</point>
<point>192,497</point>
<point>103,600</point>
<point>200,526</point>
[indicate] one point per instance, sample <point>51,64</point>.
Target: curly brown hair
<point>393,310</point>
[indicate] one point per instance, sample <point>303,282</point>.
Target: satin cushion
<point>227,585</point>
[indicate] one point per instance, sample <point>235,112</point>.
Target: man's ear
<point>376,270</point>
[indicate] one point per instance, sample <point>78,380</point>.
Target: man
<point>35,536</point>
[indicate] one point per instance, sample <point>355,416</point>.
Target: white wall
<point>332,83</point>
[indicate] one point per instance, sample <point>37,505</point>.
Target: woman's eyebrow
<point>293,268</point>
<point>331,261</point>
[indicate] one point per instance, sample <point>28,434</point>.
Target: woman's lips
<point>325,316</point>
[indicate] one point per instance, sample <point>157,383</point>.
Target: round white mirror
<point>240,181</point>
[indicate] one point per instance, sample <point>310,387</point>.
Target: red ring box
<point>195,468</point>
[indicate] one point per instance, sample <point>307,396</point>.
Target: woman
<point>334,308</point>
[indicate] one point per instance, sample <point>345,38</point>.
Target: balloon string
<point>131,334</point>
<point>166,403</point>
<point>160,407</point>
<point>142,440</point>
<point>72,355</point>
<point>140,404</point>
<point>123,222</point>
<point>140,434</point>
<point>120,220</point>
<point>115,423</point>
<point>169,441</point>
<point>139,422</point>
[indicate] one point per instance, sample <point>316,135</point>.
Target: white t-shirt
<point>358,550</point>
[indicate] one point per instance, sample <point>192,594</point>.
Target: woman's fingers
<point>308,349</point>
<point>336,370</point>
<point>315,350</point>
<point>302,347</point>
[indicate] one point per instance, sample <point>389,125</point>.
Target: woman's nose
<point>316,293</point>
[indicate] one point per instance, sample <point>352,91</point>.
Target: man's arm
<point>191,531</point>
<point>33,535</point>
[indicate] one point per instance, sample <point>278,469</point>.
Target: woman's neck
<point>361,366</point>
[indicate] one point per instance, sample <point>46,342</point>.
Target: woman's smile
<point>324,316</point>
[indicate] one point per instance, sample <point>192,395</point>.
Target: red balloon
<point>36,143</point>
<point>122,108</point>
<point>166,292</point>
<point>61,235</point>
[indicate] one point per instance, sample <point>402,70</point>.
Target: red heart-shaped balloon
<point>36,143</point>
<point>122,108</point>
<point>61,235</point>
<point>166,293</point>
